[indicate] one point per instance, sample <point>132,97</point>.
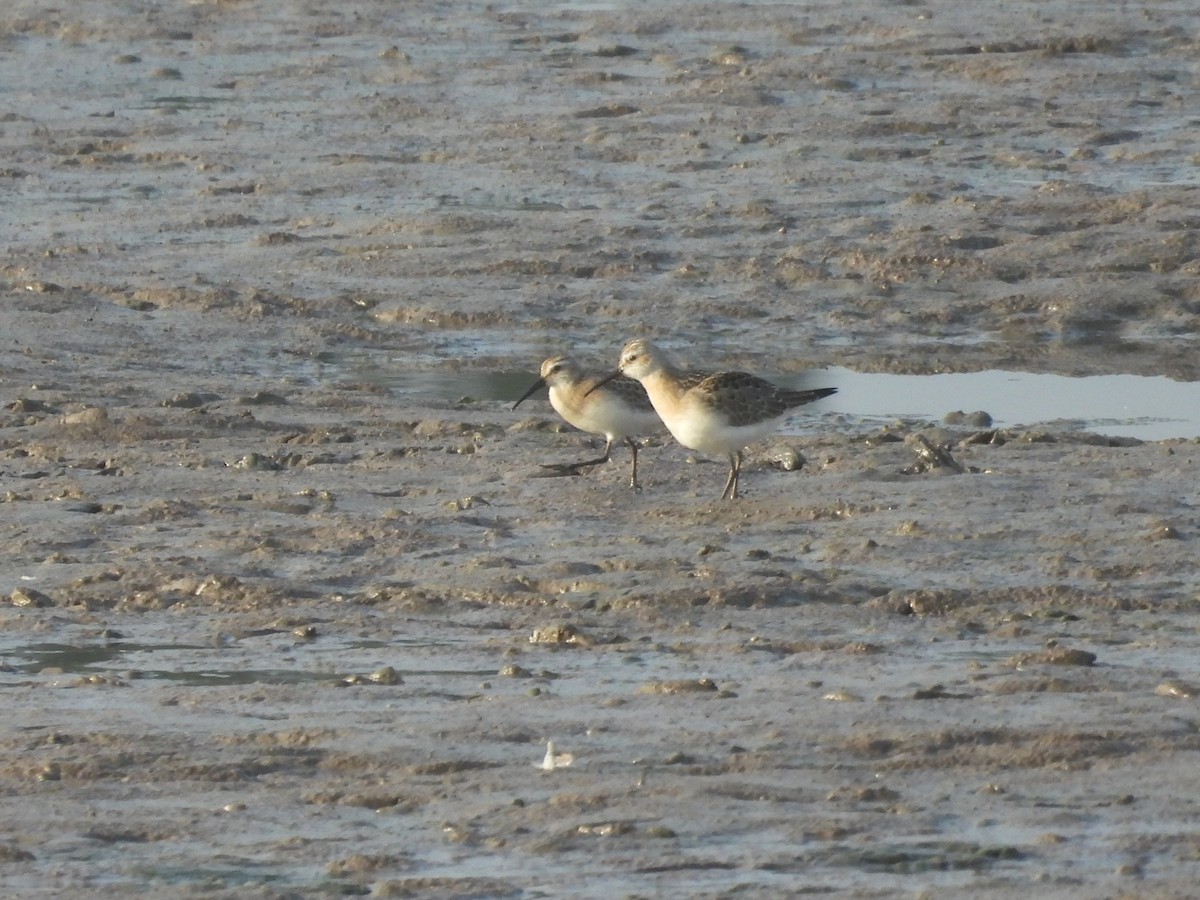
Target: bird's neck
<point>661,382</point>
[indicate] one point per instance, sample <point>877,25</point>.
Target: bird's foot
<point>561,470</point>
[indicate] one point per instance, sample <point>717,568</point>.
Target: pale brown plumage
<point>713,412</point>
<point>745,399</point>
<point>618,410</point>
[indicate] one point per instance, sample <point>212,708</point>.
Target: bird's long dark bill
<point>603,381</point>
<point>540,383</point>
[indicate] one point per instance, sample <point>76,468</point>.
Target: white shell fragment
<point>552,760</point>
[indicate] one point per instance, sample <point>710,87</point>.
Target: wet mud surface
<point>274,628</point>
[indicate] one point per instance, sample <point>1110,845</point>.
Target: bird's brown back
<point>746,399</point>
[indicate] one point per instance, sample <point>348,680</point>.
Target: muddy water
<point>1135,406</point>
<point>281,624</point>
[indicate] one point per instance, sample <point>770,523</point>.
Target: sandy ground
<point>290,613</point>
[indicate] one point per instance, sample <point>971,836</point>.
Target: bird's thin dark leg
<point>574,468</point>
<point>633,448</point>
<point>735,467</point>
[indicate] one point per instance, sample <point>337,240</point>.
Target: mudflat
<point>290,611</point>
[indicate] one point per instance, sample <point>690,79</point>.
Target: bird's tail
<point>799,398</point>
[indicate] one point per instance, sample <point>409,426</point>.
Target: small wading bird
<point>713,412</point>
<point>617,410</point>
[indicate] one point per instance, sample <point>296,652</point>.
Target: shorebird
<point>617,410</point>
<point>713,412</point>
